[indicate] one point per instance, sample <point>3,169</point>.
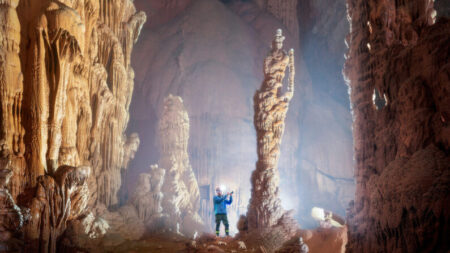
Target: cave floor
<point>163,242</point>
<point>172,243</point>
<point>318,240</point>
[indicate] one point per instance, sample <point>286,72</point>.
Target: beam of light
<point>223,188</point>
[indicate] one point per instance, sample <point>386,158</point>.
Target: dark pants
<point>222,217</point>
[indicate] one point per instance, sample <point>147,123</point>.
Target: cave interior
<point>318,125</point>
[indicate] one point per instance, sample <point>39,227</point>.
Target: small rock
<point>242,245</point>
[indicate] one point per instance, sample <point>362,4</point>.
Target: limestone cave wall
<point>66,85</point>
<point>398,72</point>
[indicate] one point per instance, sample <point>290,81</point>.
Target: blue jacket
<point>220,204</point>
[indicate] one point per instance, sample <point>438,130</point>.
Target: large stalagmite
<point>397,69</point>
<point>181,197</point>
<point>271,105</point>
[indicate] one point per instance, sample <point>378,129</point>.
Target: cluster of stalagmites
<point>167,198</point>
<point>147,196</point>
<point>265,217</point>
<point>65,90</point>
<point>397,69</point>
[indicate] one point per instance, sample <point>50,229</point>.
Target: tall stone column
<point>271,105</point>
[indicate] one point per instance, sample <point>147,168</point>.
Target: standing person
<point>220,210</point>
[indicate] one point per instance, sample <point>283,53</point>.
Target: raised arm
<point>228,202</point>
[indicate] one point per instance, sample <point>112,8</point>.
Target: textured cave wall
<point>210,54</point>
<point>397,69</point>
<point>12,146</point>
<point>79,87</point>
<point>66,85</point>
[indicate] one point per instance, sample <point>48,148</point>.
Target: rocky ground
<point>318,240</point>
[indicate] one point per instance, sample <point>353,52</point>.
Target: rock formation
<point>11,216</point>
<point>397,69</point>
<point>271,105</point>
<point>71,61</point>
<point>181,197</point>
<point>12,132</point>
<point>58,199</point>
<point>77,66</point>
<point>318,240</point>
<point>148,197</point>
<point>270,111</point>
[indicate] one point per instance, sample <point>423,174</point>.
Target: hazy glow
<point>289,200</point>
<point>318,213</point>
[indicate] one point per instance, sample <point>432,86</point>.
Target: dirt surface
<point>331,240</point>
